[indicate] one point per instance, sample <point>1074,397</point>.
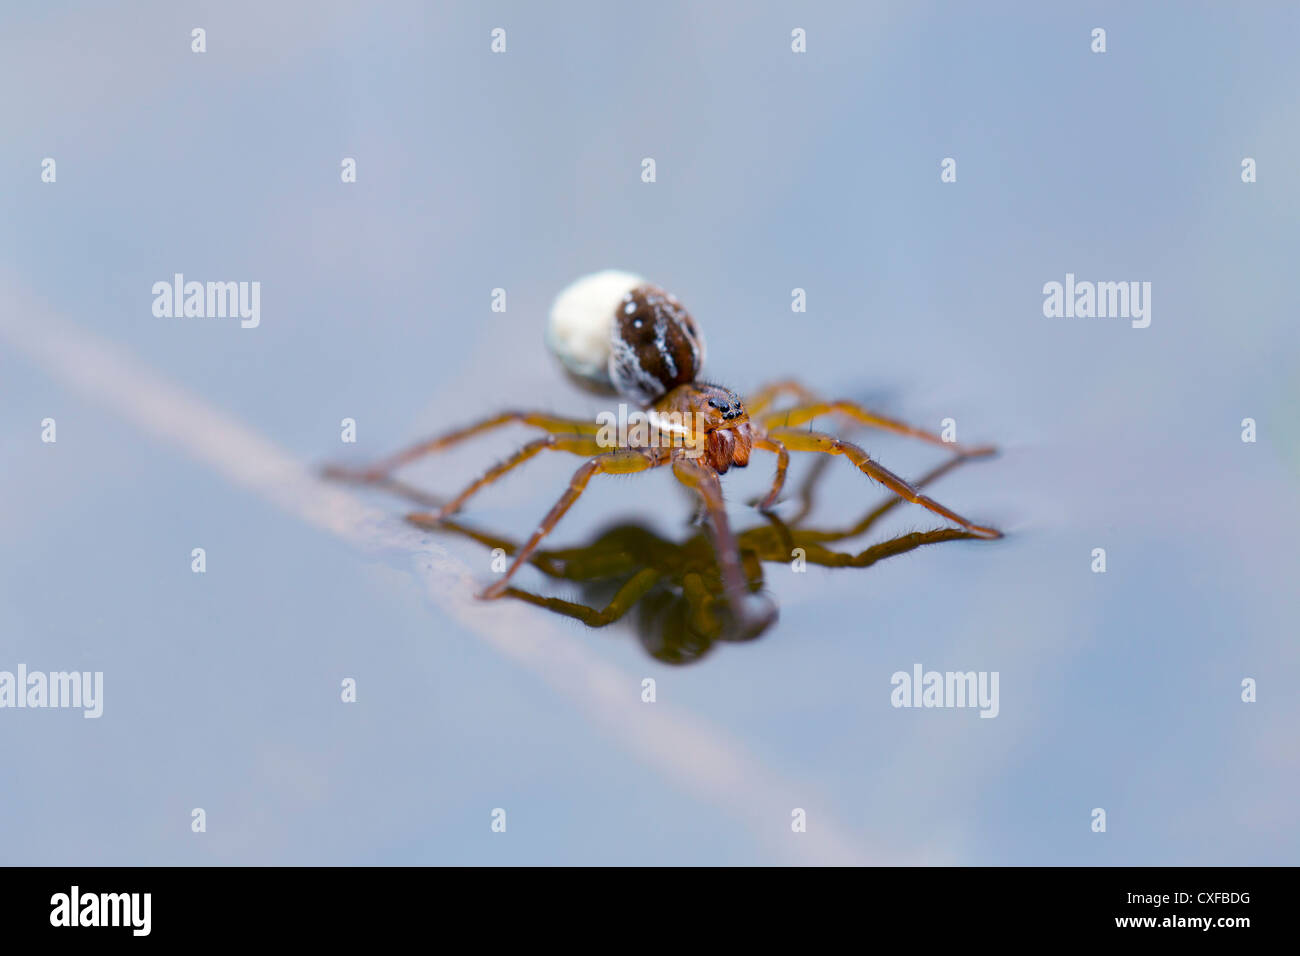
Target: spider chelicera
<point>617,334</point>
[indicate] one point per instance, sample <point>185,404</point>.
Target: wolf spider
<point>616,333</point>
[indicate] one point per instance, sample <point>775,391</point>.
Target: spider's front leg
<point>704,481</point>
<point>381,470</point>
<point>624,461</point>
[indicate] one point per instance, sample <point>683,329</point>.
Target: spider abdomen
<point>656,345</point>
<point>614,331</point>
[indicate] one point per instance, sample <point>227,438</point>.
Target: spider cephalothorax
<point>721,426</point>
<point>617,334</point>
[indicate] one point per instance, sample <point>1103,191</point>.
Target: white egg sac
<point>582,324</point>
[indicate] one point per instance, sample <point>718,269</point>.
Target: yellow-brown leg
<point>381,469</point>
<point>631,591</point>
<point>808,490</point>
<point>542,560</point>
<point>782,465</point>
<point>806,412</point>
<point>621,553</point>
<point>622,462</point>
<point>705,482</point>
<point>796,440</point>
<point>573,444</point>
<point>875,514</point>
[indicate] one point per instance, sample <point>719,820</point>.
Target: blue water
<point>775,171</point>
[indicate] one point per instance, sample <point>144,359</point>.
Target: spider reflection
<point>674,591</point>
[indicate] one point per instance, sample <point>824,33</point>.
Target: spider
<point>616,333</point>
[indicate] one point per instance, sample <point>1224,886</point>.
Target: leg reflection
<point>677,588</point>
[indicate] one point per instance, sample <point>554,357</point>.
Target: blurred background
<point>774,171</point>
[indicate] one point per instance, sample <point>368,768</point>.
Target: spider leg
<point>621,462</point>
<point>816,554</point>
<point>878,512</point>
<point>545,561</point>
<point>807,491</point>
<point>608,557</point>
<point>806,412</point>
<point>797,440</point>
<point>401,489</point>
<point>380,470</point>
<point>574,444</point>
<point>701,601</point>
<point>631,591</point>
<point>705,483</point>
<point>765,542</point>
<point>782,465</point>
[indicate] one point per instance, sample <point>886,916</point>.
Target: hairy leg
<point>800,414</point>
<point>381,469</point>
<point>704,481</point>
<point>573,444</point>
<point>829,445</point>
<point>782,465</point>
<point>875,514</point>
<point>622,462</point>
